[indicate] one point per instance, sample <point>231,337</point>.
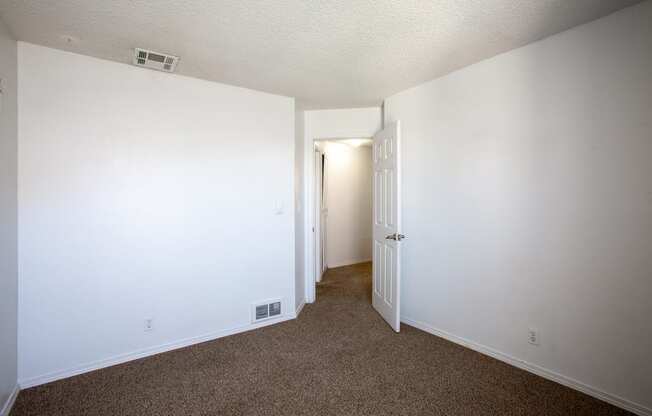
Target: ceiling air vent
<point>155,60</point>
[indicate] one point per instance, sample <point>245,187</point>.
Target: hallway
<point>338,358</point>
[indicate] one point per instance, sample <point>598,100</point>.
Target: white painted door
<point>387,225</point>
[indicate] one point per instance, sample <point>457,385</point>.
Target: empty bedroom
<point>305,207</point>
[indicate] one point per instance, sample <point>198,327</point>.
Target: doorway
<point>386,218</point>
<point>343,203</point>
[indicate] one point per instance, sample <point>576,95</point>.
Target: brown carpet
<point>338,358</point>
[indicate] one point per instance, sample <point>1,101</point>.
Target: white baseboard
<point>299,308</point>
<point>6,409</point>
<point>123,358</point>
<point>535,369</point>
<point>332,265</point>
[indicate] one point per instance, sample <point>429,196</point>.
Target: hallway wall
<point>349,202</point>
<point>527,201</point>
<point>8,216</point>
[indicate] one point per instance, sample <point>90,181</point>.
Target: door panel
<point>387,217</point>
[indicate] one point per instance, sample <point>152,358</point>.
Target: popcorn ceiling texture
<point>326,53</point>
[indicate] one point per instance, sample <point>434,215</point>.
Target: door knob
<point>395,237</point>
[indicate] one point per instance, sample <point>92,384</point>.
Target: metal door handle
<point>395,237</point>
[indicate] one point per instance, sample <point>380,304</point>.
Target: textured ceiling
<point>327,53</point>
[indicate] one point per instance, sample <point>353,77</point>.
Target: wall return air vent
<point>155,60</point>
<point>267,310</point>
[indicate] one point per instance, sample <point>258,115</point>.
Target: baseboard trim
<point>9,404</point>
<point>146,352</point>
<point>533,368</point>
<point>348,263</point>
<point>299,308</point>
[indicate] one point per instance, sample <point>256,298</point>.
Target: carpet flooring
<point>338,358</point>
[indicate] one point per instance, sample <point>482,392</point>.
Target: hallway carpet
<point>338,358</point>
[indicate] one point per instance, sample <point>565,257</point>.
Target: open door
<point>321,213</point>
<point>386,292</point>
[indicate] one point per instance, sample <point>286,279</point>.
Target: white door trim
<point>318,225</point>
<point>323,223</point>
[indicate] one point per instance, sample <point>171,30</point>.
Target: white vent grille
<point>275,309</point>
<point>266,310</point>
<point>262,312</point>
<point>155,60</point>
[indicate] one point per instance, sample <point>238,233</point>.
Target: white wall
<point>342,123</point>
<point>328,124</point>
<point>144,195</point>
<point>528,203</point>
<point>299,216</point>
<point>8,217</point>
<point>349,203</point>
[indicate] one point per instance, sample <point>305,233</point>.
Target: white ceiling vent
<point>155,60</point>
